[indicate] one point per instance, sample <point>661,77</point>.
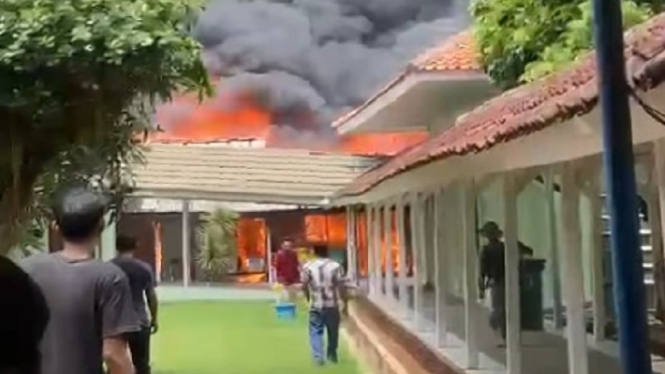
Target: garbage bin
<point>531,294</point>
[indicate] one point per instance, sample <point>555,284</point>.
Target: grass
<point>232,337</point>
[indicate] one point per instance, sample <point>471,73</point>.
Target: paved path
<point>172,293</point>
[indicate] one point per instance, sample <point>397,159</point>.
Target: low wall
<point>386,347</point>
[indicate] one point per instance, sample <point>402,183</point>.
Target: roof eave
<point>401,87</point>
<point>318,201</point>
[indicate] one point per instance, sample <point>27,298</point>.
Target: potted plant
<point>217,244</point>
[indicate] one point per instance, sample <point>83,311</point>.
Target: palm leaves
<point>217,243</point>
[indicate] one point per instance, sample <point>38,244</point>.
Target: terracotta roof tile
<point>457,54</point>
<point>454,55</point>
<point>530,108</point>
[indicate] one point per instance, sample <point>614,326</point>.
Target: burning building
<point>263,145</point>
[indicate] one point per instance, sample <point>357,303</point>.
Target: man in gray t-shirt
<point>89,301</point>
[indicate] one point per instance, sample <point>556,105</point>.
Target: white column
<point>512,255</point>
<point>390,270</point>
<point>185,243</point>
<point>659,181</point>
<point>596,246</point>
<point>430,226</point>
<point>370,252</point>
<point>378,278</point>
<point>271,269</point>
<point>403,268</point>
<point>655,224</point>
<point>439,269</point>
<point>417,242</point>
<point>107,245</point>
<point>553,240</point>
<point>351,244</point>
<point>470,285</point>
<point>573,278</point>
<point>369,213</point>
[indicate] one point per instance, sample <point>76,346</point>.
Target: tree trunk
<point>10,217</point>
<point>15,202</point>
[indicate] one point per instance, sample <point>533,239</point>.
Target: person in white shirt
<point>325,290</point>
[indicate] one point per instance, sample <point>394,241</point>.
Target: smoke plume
<point>308,61</point>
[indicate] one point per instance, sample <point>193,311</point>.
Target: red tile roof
<point>456,54</point>
<point>530,108</point>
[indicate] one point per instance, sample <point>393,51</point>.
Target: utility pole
<point>619,165</point>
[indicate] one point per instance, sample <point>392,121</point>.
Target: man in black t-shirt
<point>89,300</point>
<point>492,273</point>
<point>23,319</point>
<point>142,285</point>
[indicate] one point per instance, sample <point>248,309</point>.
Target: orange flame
<point>381,144</point>
<point>389,254</point>
<point>326,228</point>
<point>361,242</point>
<point>251,240</point>
<point>185,120</point>
<point>157,232</point>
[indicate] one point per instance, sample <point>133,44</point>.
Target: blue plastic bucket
<point>285,311</point>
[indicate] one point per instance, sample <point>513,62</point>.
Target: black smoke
<point>308,61</point>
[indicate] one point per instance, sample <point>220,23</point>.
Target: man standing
<point>324,288</point>
<point>142,285</point>
<point>89,301</point>
<point>287,268</point>
<point>23,320</point>
<point>492,273</point>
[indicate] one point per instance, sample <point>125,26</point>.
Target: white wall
<point>533,228</point>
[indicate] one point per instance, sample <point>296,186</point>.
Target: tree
<point>217,243</point>
<point>77,79</point>
<point>522,40</point>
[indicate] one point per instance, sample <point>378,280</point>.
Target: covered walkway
<point>530,160</point>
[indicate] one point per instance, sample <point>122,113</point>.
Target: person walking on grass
<point>142,286</point>
<point>287,269</point>
<point>325,290</point>
<point>89,300</point>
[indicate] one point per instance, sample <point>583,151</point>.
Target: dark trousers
<point>498,314</point>
<point>319,320</point>
<point>139,345</point>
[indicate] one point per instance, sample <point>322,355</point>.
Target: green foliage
<point>78,79</point>
<point>522,40</point>
<point>217,243</point>
<point>30,242</point>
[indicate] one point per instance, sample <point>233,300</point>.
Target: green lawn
<point>229,337</point>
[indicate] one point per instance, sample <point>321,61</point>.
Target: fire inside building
<point>208,156</point>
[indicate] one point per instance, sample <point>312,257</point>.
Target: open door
<point>252,242</point>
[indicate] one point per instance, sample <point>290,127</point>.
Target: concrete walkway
<point>174,293</point>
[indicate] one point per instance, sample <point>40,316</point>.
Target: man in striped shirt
<point>324,289</point>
